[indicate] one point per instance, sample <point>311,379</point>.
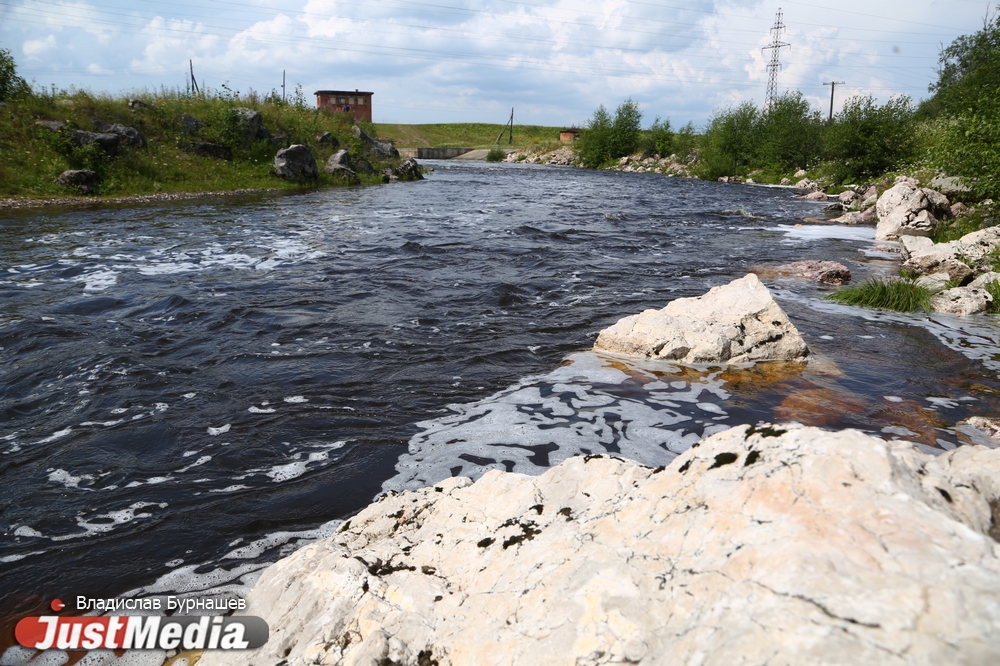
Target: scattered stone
<point>51,125</point>
<point>869,198</point>
<point>848,197</point>
<point>806,184</point>
<point>326,138</point>
<point>939,204</point>
<point>959,209</point>
<point>850,219</point>
<point>388,176</point>
<point>361,165</point>
<point>830,272</point>
<point>295,163</point>
<point>107,141</point>
<point>736,323</point>
<point>786,181</point>
<point>779,544</point>
<point>85,180</point>
<point>891,249</point>
<point>408,169</point>
<point>190,124</point>
<point>206,149</point>
<point>985,279</point>
<point>801,173</point>
<point>914,245</point>
<point>248,123</point>
<point>283,140</point>
<point>129,135</point>
<point>934,281</point>
<point>961,301</point>
<point>948,185</point>
<point>908,180</point>
<point>989,426</point>
<point>904,209</point>
<point>377,147</point>
<point>868,215</point>
<point>340,158</point>
<point>939,259</point>
<point>263,134</point>
<point>815,196</point>
<point>137,104</point>
<point>342,172</point>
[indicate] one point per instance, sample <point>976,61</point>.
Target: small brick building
<point>569,135</point>
<point>356,102</point>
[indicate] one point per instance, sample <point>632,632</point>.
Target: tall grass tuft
<point>993,289</point>
<point>496,154</point>
<point>902,295</point>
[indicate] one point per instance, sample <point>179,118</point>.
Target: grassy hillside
<point>31,157</point>
<point>464,135</point>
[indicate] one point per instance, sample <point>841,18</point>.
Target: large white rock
<point>736,323</point>
<point>903,210</point>
<point>962,301</point>
<point>774,544</point>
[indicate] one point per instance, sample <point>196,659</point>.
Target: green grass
<point>465,135</point>
<point>902,295</point>
<point>32,157</point>
<point>496,154</point>
<point>993,289</point>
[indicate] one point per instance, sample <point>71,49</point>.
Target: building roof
<point>342,92</point>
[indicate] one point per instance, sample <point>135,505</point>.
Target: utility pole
<point>833,86</point>
<point>775,65</point>
<point>511,141</point>
<point>282,86</point>
<point>194,83</point>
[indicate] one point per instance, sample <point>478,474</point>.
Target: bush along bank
<point>75,143</point>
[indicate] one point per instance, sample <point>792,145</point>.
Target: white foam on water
<point>188,396</point>
<point>582,407</point>
<point>947,403</point>
<point>200,461</point>
<point>893,398</point>
<point>296,399</point>
<point>220,430</point>
<point>97,280</point>
<point>229,489</point>
<point>68,480</point>
<point>812,232</point>
<point>54,436</point>
<point>105,522</point>
<point>261,410</point>
<point>25,531</point>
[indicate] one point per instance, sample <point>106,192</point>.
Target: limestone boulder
<point>408,169</point>
<point>296,163</point>
<point>84,180</point>
<point>51,125</point>
<point>767,544</point>
<point>914,245</point>
<point>376,147</point>
<point>190,124</point>
<point>940,258</point>
<point>830,272</point>
<point>248,123</point>
<point>328,139</point>
<point>817,195</point>
<point>961,301</point>
<point>904,209</point>
<point>736,323</point>
<point>807,184</point>
<point>128,136</point>
<point>208,149</point>
<point>106,141</point>
<point>341,158</point>
<point>985,279</point>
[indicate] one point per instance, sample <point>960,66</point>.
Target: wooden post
<point>833,86</point>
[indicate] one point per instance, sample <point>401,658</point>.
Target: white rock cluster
<point>964,262</point>
<point>736,323</point>
<point>771,544</point>
<point>906,209</point>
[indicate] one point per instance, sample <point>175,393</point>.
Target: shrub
<point>789,135</point>
<point>902,295</point>
<point>867,140</point>
<point>729,143</point>
<point>496,154</point>
<point>658,139</point>
<point>11,85</point>
<point>606,138</point>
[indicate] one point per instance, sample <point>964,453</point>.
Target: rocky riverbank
<point>765,544</point>
<point>772,543</point>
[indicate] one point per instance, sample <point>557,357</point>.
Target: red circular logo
<point>57,605</point>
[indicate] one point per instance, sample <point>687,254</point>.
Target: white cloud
<point>453,60</point>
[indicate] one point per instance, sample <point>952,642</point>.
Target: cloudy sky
<point>554,61</point>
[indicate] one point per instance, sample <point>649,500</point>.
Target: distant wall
<point>432,153</point>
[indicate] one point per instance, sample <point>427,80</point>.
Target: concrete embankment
<point>435,153</point>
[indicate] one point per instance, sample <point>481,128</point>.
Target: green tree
<point>626,129</point>
<point>658,139</point>
<point>730,142</point>
<point>867,140</point>
<point>11,85</point>
<point>606,138</point>
<point>789,135</point>
<point>967,93</point>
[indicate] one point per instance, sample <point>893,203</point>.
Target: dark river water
<point>192,389</point>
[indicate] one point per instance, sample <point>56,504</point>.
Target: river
<point>193,389</point>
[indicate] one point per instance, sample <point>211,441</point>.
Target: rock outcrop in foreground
<point>736,323</point>
<point>774,544</point>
